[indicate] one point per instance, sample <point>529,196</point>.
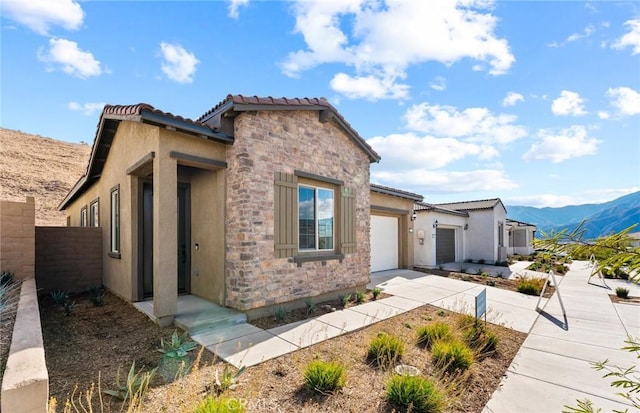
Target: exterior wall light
<point>435,224</point>
<point>466,227</point>
<point>414,216</point>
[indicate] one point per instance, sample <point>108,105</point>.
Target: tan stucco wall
<point>270,142</point>
<point>381,205</point>
<point>131,143</point>
<point>17,238</point>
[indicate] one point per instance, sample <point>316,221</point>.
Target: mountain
<point>43,168</point>
<point>601,219</point>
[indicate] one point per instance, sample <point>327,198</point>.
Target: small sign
<point>481,303</point>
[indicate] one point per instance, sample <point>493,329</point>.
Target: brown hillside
<point>41,167</point>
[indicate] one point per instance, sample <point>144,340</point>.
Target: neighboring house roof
<point>423,206</point>
<point>473,205</point>
<point>519,223</point>
<point>395,192</point>
<point>635,235</point>
<point>107,127</point>
<point>232,105</point>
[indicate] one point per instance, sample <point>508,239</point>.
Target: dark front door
<point>445,245</point>
<point>184,238</point>
<point>147,240</point>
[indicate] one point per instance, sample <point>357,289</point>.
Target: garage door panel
<point>445,245</point>
<point>384,243</point>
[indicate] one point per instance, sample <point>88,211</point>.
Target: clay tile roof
<point>293,103</point>
<point>136,110</point>
<point>424,206</point>
<point>395,192</point>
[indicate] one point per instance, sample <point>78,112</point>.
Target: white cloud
<point>74,61</point>
<point>179,65</point>
<point>625,99</point>
<point>630,39</point>
<point>569,103</point>
<point>429,181</point>
<point>406,151</point>
<point>88,108</point>
<point>234,7</point>
<point>381,40</point>
<point>567,143</point>
<point>592,196</point>
<point>577,36</point>
<point>472,124</point>
<point>512,98</point>
<point>438,83</point>
<point>40,15</point>
<point>368,87</point>
<point>603,114</point>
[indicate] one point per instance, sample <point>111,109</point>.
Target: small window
<point>94,213</point>
<point>83,216</point>
<point>115,222</point>
<point>315,218</point>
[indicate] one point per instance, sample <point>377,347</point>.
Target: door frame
<point>186,186</point>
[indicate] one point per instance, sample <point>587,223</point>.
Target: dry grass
<point>40,167</point>
<point>9,297</point>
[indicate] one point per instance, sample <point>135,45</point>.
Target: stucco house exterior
<point>258,202</point>
<point>521,236</point>
<point>459,231</point>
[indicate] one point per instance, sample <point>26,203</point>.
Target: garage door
<point>445,245</point>
<point>384,243</point>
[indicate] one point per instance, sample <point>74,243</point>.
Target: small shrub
<point>485,274</point>
<point>376,292</point>
<point>607,272</point>
<point>429,334</point>
<point>491,283</point>
<point>360,297</point>
<point>178,347</point>
<point>480,339</point>
<point>385,350</point>
<point>466,321</point>
<point>68,307</point>
<point>622,292</point>
<point>6,278</point>
<point>325,376</point>
<point>469,260</point>
<point>620,273</point>
<point>466,278</point>
<point>220,405</point>
<point>59,297</point>
<point>97,296</point>
<point>414,394</point>
<point>500,273</point>
<point>344,299</point>
<point>530,286</point>
<point>481,261</point>
<point>311,306</point>
<point>136,385</point>
<point>441,267</point>
<point>452,355</point>
<point>280,314</point>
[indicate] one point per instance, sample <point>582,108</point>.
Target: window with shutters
<point>314,217</point>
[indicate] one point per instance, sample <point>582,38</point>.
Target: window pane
<point>115,221</point>
<point>325,219</point>
<point>306,218</point>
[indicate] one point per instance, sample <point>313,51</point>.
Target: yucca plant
<point>59,297</point>
<point>360,297</point>
<point>622,292</point>
<point>376,292</point>
<point>136,384</point>
<point>228,380</point>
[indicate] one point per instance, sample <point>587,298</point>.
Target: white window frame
<point>83,217</point>
<point>94,213</point>
<point>114,238</point>
<point>316,220</point>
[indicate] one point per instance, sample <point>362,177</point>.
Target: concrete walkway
<point>552,368</point>
<point>247,345</point>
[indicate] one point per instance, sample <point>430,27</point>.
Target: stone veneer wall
<point>17,237</point>
<point>283,141</point>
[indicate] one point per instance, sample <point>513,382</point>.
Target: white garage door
<point>384,243</point>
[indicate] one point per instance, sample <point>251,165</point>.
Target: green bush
<point>360,297</point>
<point>429,334</point>
<point>385,350</point>
<point>415,394</point>
<point>220,405</point>
<point>452,355</point>
<point>376,292</point>
<point>622,292</point>
<point>530,286</point>
<point>480,339</point>
<point>325,376</point>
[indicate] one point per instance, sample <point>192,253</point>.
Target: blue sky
<point>535,102</point>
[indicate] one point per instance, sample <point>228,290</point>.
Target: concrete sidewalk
<point>552,368</point>
<point>247,345</point>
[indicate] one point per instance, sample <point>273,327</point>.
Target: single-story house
<point>392,216</point>
<point>521,236</point>
<point>258,202</point>
<point>459,231</point>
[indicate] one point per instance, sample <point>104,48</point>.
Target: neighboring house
<point>392,228</point>
<point>458,231</point>
<point>258,202</point>
<point>521,236</point>
<point>635,239</point>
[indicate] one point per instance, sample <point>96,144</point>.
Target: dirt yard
<point>100,340</point>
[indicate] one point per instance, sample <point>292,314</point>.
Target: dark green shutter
<point>347,221</point>
<point>285,215</point>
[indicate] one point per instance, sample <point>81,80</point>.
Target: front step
<point>209,319</point>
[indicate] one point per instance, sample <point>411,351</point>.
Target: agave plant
<point>178,347</point>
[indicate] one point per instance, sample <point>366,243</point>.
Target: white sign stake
<point>555,284</point>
